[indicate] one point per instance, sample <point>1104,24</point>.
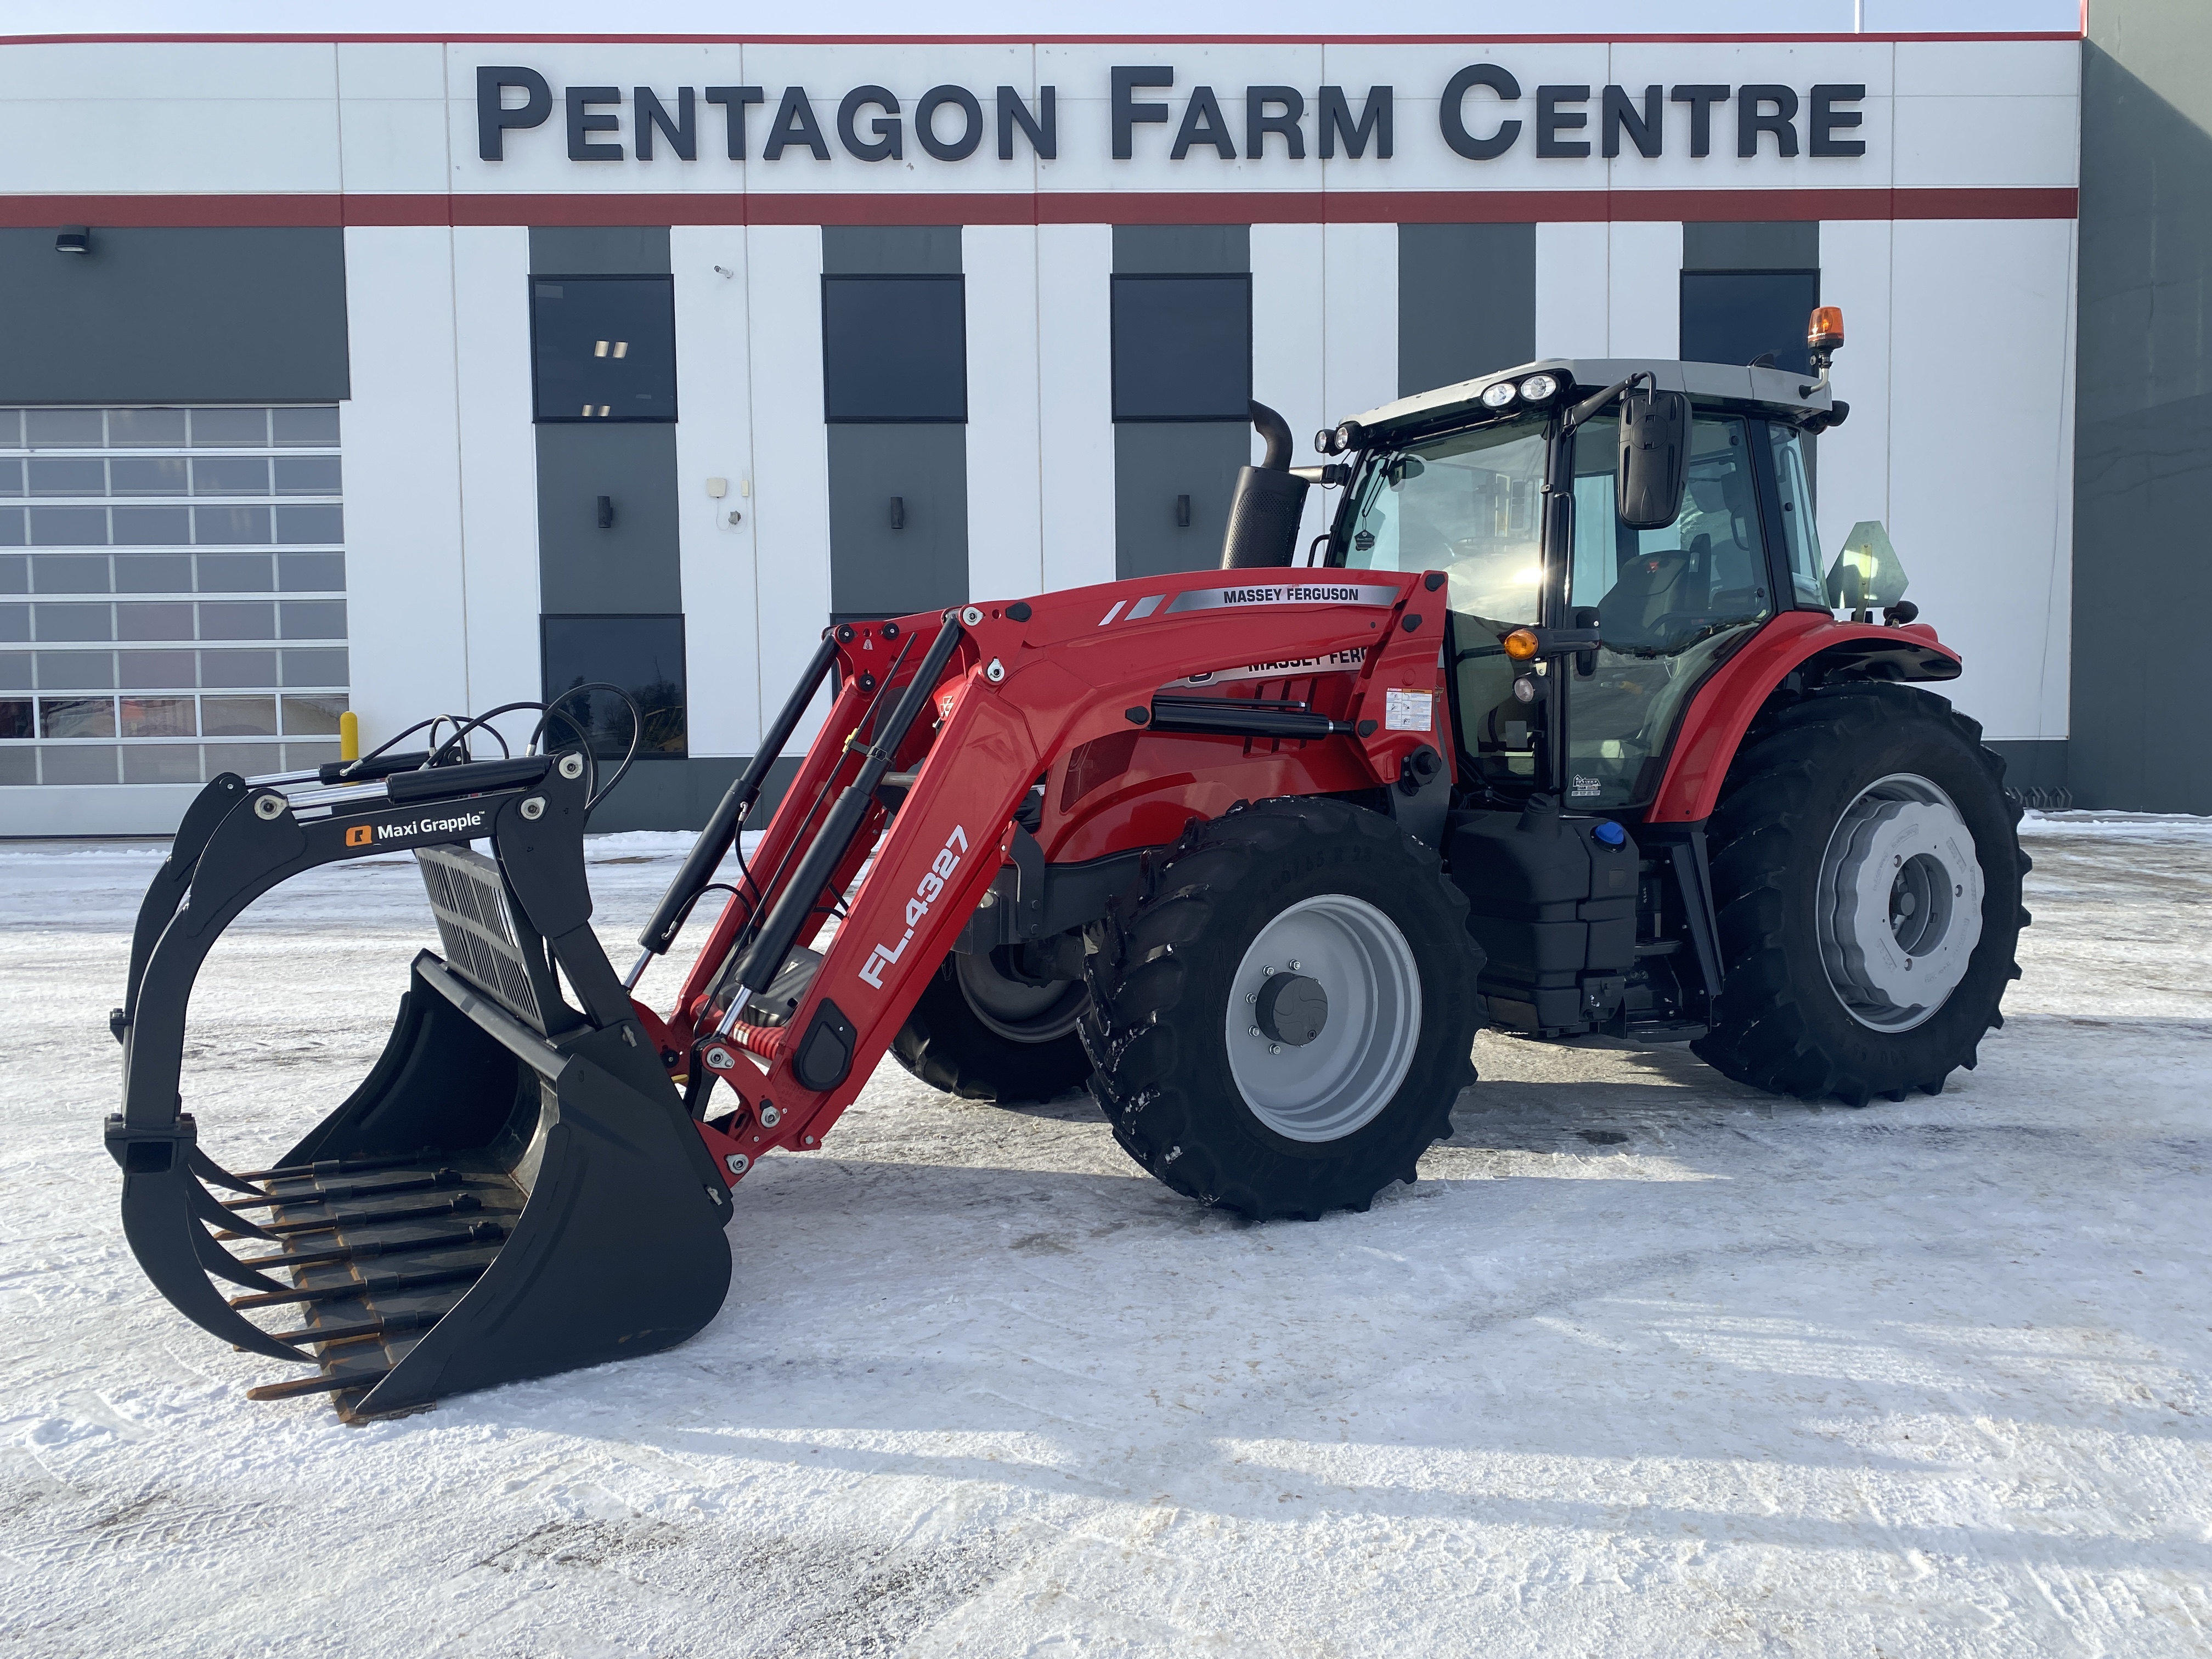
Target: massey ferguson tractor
<point>1560,735</point>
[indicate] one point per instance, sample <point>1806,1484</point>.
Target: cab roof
<point>1788,393</point>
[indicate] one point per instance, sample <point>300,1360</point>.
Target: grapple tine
<point>372,1190</point>
<point>213,1259</point>
<point>483,1232</point>
<point>362,1287</point>
<point>157,1219</point>
<point>205,1207</point>
<point>390,1324</point>
<point>337,1384</point>
<point>215,1175</point>
<point>466,1204</point>
<point>330,1166</point>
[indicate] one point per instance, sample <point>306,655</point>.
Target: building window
<point>1739,316</point>
<point>643,655</point>
<point>894,349</point>
<point>172,592</point>
<point>1182,347</point>
<point>604,348</point>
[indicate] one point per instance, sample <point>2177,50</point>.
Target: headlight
<point>1497,397</point>
<point>1324,442</point>
<point>1537,387</point>
<point>1349,436</point>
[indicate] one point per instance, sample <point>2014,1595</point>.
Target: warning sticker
<point>1408,711</point>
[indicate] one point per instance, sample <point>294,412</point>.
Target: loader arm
<point>1006,692</point>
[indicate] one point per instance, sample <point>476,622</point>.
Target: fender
<point>1724,706</point>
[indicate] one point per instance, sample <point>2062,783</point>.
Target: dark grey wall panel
<point>1153,464</point>
<point>631,568</point>
<point>890,250</point>
<point>598,249</point>
<point>1181,248</point>
<point>876,569</point>
<point>174,316</point>
<point>1777,244</point>
<point>2142,451</point>
<point>1156,462</point>
<point>2034,764</point>
<point>1467,302</point>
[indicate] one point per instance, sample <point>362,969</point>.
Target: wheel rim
<point>1335,1083</point>
<point>1014,1011</point>
<point>1900,903</point>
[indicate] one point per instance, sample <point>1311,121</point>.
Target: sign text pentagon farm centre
<point>1484,113</point>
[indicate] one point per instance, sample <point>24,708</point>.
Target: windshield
<point>1470,505</point>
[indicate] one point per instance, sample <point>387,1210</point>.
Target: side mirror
<point>1654,459</point>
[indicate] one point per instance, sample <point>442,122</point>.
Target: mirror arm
<point>1592,406</point>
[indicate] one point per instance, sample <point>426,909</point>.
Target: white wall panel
<point>130,116</point>
<point>713,439</point>
<point>1644,299</point>
<point>790,456</point>
<point>1006,517</point>
<point>1853,459</point>
<point>392,116</point>
<point>1289,331</point>
<point>1573,308</point>
<point>1075,403</point>
<point>498,455</point>
<point>1976,500</point>
<point>1360,361</point>
<point>408,605</point>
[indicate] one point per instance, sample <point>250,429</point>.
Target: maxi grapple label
<point>440,825</point>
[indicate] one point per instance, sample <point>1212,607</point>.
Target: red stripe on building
<point>1477,41</point>
<point>1293,207</point>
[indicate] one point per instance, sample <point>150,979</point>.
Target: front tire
<point>1867,876</point>
<point>1284,1017</point>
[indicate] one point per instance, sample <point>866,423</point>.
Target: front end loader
<point>1561,734</point>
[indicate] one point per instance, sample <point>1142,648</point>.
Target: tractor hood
<point>1793,396</point>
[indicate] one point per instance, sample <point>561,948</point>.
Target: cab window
<point>1665,602</point>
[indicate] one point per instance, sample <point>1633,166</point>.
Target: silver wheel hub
<point>1018,1011</point>
<point>1900,903</point>
<point>1324,1014</point>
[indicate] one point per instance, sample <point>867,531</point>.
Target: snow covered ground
<point>1646,1364</point>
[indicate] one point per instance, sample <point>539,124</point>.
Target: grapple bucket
<point>515,1190</point>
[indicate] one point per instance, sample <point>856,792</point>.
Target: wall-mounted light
<point>73,238</point>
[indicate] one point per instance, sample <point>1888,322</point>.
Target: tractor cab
<point>1511,484</point>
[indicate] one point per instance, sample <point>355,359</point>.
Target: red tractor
<point>1560,735</point>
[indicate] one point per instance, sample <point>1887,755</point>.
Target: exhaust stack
<point>1264,512</point>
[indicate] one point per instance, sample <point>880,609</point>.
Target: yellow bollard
<point>349,736</point>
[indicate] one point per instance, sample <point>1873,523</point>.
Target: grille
<point>479,935</point>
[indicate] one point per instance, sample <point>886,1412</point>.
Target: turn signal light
<point>1827,328</point>
<point>1522,644</point>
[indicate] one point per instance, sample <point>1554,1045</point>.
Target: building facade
<point>418,376</point>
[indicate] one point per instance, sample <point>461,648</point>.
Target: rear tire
<point>994,1039</point>
<point>1351,1081</point>
<point>1819,944</point>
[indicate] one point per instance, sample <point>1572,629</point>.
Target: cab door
<point>1668,604</point>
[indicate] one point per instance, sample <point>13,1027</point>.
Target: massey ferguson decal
<point>925,895</point>
<point>1333,662</point>
<point>1231,598</point>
